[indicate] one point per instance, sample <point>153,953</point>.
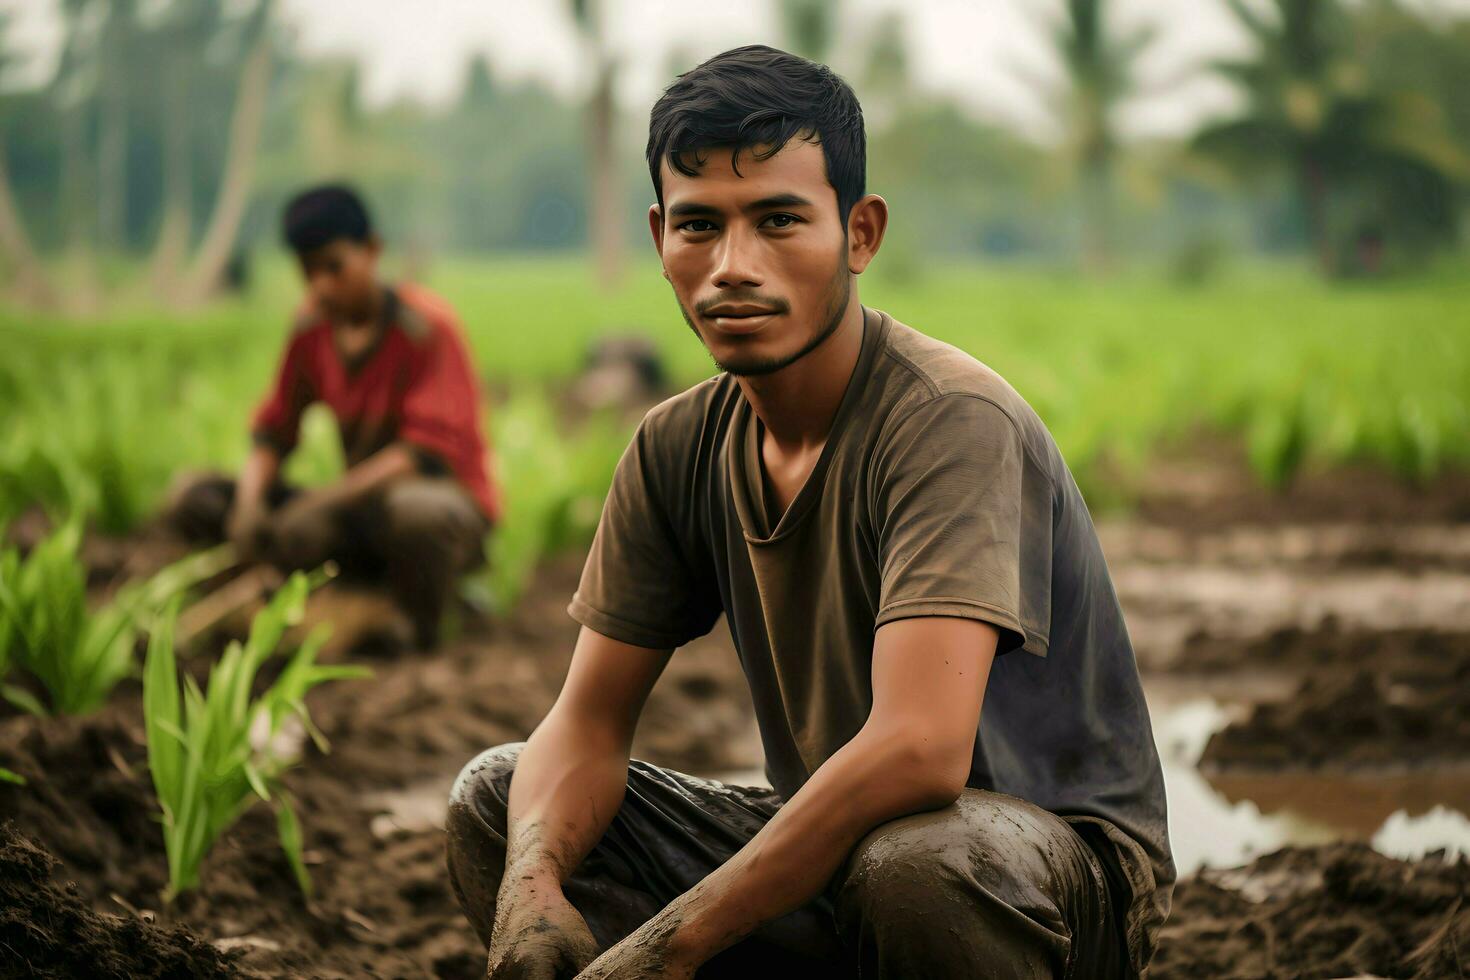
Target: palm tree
<point>602,157</point>
<point>1311,110</point>
<point>1100,67</point>
<point>1099,72</point>
<point>810,26</point>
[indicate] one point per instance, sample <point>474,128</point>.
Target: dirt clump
<point>1413,711</point>
<point>1333,911</point>
<point>48,930</point>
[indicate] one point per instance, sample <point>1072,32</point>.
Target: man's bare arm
<point>568,783</point>
<point>571,775</point>
<point>913,754</point>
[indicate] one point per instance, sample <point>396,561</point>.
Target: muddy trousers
<point>991,886</point>
<point>415,537</point>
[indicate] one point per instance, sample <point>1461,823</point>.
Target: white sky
<point>967,48</point>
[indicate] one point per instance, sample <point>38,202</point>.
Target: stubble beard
<point>839,292</point>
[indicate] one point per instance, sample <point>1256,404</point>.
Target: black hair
<point>759,98</point>
<point>321,215</point>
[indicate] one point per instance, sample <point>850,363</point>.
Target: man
<point>417,498</point>
<point>894,539</point>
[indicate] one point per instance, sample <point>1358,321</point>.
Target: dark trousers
<point>415,537</point>
<point>990,886</point>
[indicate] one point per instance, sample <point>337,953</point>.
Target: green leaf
<point>24,700</point>
<point>289,831</point>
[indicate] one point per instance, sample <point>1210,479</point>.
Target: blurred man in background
<point>417,498</point>
<point>894,539</point>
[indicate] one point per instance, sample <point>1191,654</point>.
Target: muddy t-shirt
<point>939,492</point>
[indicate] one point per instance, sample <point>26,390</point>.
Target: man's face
<point>758,260</point>
<point>342,277</point>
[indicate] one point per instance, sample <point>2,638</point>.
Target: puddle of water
<point>1224,820</point>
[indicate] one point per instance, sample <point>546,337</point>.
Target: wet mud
<point>1322,645</point>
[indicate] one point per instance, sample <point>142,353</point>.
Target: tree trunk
<point>235,185</point>
<point>606,188</point>
<point>83,293</point>
<point>31,283</point>
<point>1313,185</point>
<point>172,245</point>
<point>112,173</point>
<point>1097,216</point>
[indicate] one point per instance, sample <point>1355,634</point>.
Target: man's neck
<point>355,337</point>
<point>798,403</point>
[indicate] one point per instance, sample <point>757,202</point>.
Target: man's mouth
<point>740,317</point>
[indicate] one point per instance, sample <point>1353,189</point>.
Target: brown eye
<point>783,220</point>
<point>697,225</point>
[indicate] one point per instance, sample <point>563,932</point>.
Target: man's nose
<point>738,261</point>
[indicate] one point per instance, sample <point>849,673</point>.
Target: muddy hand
<point>542,940</point>
<point>647,954</point>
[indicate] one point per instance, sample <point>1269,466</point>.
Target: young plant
<point>46,629</point>
<point>215,752</point>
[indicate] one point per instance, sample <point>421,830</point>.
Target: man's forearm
<point>568,784</point>
<point>377,471</point>
<point>875,778</point>
<point>260,471</point>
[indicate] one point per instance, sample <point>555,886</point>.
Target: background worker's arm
<point>913,754</point>
<point>569,782</point>
<point>248,514</point>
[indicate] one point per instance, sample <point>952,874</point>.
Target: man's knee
<point>197,505</point>
<point>475,833</point>
<point>485,781</point>
<point>956,885</point>
<point>433,515</point>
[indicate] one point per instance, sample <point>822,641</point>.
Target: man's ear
<point>866,223</point>
<point>656,227</point>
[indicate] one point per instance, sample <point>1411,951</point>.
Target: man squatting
<point>390,362</point>
<point>895,540</point>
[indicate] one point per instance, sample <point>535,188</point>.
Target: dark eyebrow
<point>694,208</point>
<point>778,201</point>
<point>684,210</point>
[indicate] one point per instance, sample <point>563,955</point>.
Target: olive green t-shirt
<point>939,492</point>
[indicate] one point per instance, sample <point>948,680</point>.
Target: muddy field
<point>1306,659</point>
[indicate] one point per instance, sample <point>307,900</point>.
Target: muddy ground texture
<point>1334,624</point>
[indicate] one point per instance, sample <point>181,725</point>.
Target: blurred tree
<point>810,26</point>
<point>31,284</point>
<point>1099,66</point>
<point>602,156</point>
<point>256,42</point>
<point>1312,108</point>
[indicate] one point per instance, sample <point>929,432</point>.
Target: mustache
<point>772,303</point>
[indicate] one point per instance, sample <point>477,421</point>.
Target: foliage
<point>215,752</point>
<point>1354,143</point>
<point>1303,374</point>
<point>554,495</point>
<point>77,655</point>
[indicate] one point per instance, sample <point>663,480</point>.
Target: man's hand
<point>538,934</point>
<point>248,529</point>
<point>648,953</point>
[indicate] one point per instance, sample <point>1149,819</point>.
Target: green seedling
<point>215,752</point>
<point>78,655</point>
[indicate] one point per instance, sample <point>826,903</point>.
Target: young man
<point>417,498</point>
<point>894,539</point>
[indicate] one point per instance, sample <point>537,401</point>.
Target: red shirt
<point>415,386</point>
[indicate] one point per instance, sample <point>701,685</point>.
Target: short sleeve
<point>277,419</point>
<point>639,585</point>
<point>965,522</point>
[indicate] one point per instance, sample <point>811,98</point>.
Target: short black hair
<point>321,215</point>
<point>757,96</point>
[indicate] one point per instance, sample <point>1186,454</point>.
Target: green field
<point>100,414</point>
